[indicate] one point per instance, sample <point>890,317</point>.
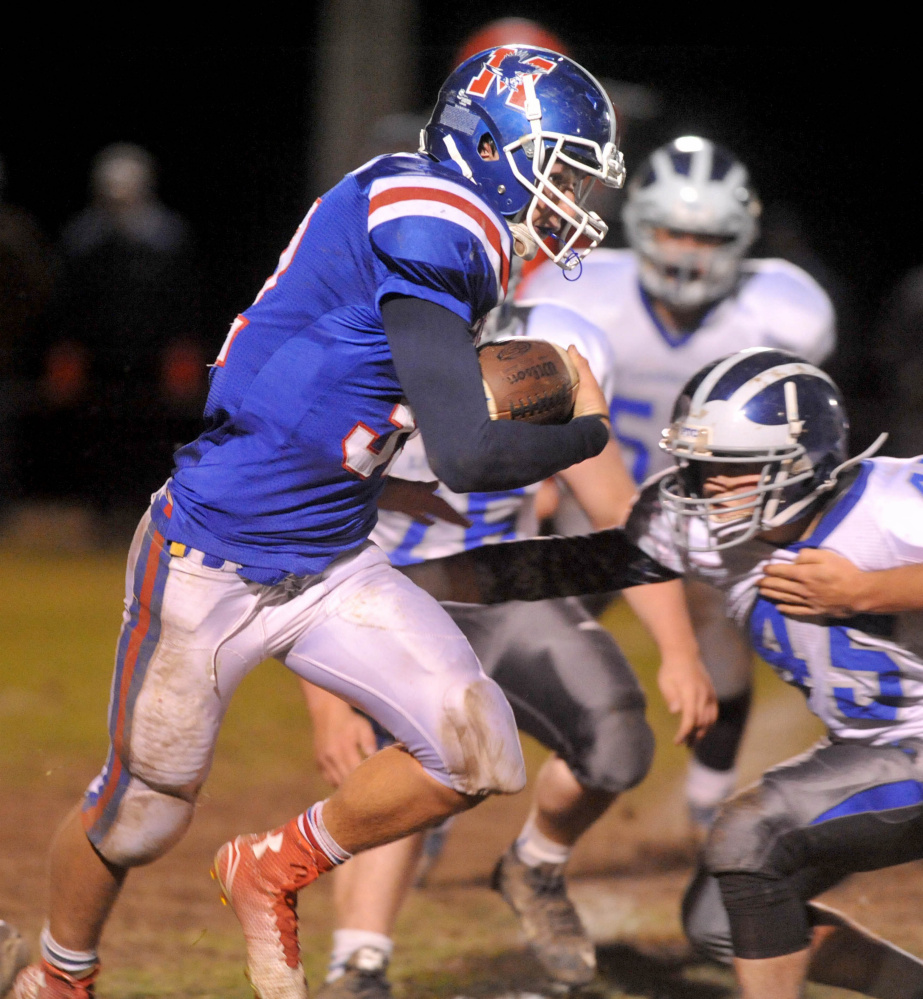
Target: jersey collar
<point>672,340</point>
<point>844,500</point>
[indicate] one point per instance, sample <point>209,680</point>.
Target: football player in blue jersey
<point>821,560</point>
<point>258,544</point>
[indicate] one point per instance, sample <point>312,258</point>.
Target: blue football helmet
<point>758,412</point>
<point>539,109</point>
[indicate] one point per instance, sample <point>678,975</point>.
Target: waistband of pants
<point>178,550</point>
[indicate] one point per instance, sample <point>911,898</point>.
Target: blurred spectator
<point>25,290</point>
<point>125,371</point>
<point>505,30</point>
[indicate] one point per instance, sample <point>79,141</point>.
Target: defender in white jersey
<point>680,297</point>
<point>568,683</point>
<point>760,494</point>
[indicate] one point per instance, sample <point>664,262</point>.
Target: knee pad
<point>705,920</point>
<point>137,823</point>
<point>480,741</point>
<point>767,915</point>
<point>620,754</point>
<point>746,833</point>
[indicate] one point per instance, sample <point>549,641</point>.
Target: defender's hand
<point>687,690</point>
<point>342,738</point>
<point>419,500</point>
<point>819,581</point>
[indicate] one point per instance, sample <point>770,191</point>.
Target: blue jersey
<point>305,411</point>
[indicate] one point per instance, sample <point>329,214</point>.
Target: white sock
<point>311,824</point>
<point>707,788</point>
<point>534,847</point>
<point>77,963</point>
<point>347,942</point>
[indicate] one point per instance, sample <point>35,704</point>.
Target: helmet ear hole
<point>487,148</point>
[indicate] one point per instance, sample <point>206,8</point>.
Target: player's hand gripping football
<point>589,400</point>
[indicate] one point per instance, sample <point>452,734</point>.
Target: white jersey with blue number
<point>776,304</point>
<point>495,516</point>
<point>862,676</point>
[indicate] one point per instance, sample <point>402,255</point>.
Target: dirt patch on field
<point>170,937</point>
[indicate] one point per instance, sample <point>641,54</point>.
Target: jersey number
<point>916,480</point>
<point>640,458</point>
<point>364,451</point>
<point>854,672</point>
<point>284,260</point>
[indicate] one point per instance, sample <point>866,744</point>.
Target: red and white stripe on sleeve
<point>391,198</point>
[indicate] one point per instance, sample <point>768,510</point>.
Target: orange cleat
<point>44,981</point>
<point>260,876</point>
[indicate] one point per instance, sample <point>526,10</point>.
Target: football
<point>528,379</point>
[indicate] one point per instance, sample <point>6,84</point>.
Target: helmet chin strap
<point>795,429</point>
<point>830,482</point>
<point>524,244</point>
<point>457,157</point>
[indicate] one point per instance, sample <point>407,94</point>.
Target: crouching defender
<point>820,558</point>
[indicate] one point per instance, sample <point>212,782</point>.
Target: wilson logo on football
<point>506,352</point>
<point>493,71</point>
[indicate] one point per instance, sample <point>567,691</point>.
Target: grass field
<point>59,617</point>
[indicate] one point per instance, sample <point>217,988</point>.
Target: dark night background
<point>827,130</point>
<point>823,127</point>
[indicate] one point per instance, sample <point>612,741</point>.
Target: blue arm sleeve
<point>438,370</point>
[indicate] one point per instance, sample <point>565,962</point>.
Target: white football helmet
<point>690,186</point>
<point>759,412</point>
